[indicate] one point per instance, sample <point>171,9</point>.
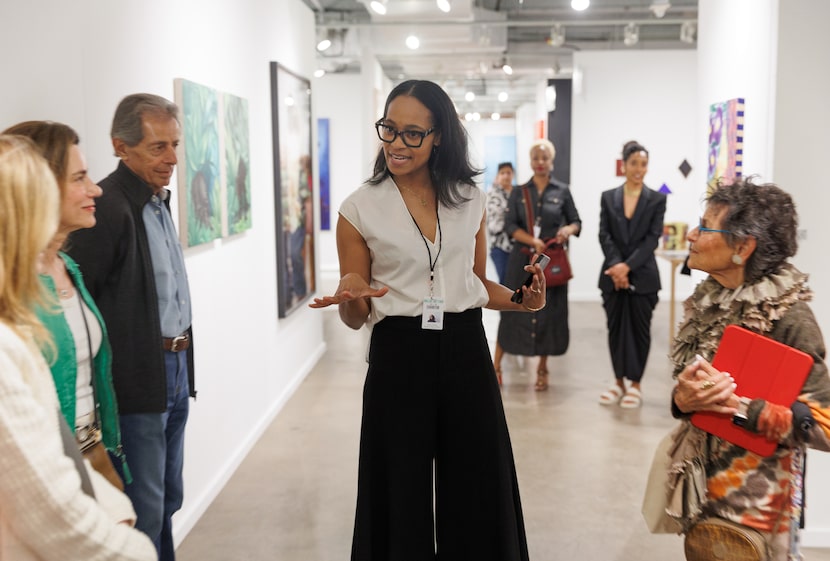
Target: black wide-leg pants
<point>436,476</point>
<point>629,331</point>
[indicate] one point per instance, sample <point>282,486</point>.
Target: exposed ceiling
<point>464,50</point>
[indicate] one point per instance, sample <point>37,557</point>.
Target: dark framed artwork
<point>293,181</point>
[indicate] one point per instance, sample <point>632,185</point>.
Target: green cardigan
<point>64,365</point>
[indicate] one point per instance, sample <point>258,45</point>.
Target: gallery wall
<point>648,96</point>
<point>72,62</point>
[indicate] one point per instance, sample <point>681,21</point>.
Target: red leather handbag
<point>558,271</point>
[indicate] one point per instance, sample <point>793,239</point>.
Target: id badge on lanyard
<point>433,314</point>
<point>432,311</point>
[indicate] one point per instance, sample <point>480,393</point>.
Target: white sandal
<point>632,399</point>
<point>611,396</point>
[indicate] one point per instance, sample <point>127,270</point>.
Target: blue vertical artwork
<point>497,149</point>
<point>323,162</point>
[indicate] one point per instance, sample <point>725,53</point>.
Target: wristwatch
<point>741,418</point>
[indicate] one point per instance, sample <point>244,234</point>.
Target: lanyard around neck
<point>426,244</point>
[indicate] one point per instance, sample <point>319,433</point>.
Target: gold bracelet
<point>529,309</point>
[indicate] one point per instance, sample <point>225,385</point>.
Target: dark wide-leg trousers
<point>436,476</point>
<point>629,331</point>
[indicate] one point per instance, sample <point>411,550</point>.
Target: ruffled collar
<point>755,306</point>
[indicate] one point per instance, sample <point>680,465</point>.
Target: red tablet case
<point>762,368</point>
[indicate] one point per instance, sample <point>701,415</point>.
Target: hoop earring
<point>737,259</point>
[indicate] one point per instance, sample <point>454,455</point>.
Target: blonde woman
<point>81,365</point>
<point>546,332</point>
<point>45,514</point>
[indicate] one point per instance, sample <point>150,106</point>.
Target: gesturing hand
<point>351,287</point>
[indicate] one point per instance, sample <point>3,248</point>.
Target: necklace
<point>423,200</point>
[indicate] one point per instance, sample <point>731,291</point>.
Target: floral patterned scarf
<point>708,311</point>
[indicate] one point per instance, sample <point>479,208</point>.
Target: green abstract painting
<point>199,174</point>
<point>237,164</point>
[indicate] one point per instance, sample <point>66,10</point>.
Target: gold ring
<point>707,384</point>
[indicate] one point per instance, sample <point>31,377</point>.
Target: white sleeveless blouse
<point>399,256</point>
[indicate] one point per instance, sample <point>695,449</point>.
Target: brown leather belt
<point>175,344</point>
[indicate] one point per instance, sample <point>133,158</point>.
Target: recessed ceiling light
<point>580,5</point>
<point>507,69</point>
<point>503,96</point>
<point>495,116</point>
<point>444,5</point>
<point>469,96</point>
<point>319,73</point>
<point>413,42</point>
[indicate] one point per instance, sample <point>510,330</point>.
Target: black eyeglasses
<point>411,138</point>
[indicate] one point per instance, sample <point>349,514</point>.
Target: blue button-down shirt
<point>168,266</point>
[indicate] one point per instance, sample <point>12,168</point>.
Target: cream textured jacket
<point>44,514</point>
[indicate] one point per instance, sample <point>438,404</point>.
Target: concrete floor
<point>581,466</point>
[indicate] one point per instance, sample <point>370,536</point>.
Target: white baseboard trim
<point>817,537</point>
<point>186,519</point>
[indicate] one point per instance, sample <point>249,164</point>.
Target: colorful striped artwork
<point>726,140</point>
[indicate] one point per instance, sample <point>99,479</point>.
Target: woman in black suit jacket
<point>630,226</point>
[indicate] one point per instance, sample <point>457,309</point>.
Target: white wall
<point>73,62</point>
<point>737,58</point>
<point>347,158</point>
<point>802,119</point>
<point>648,96</point>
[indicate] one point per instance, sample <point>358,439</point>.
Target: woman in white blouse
<point>45,514</point>
<point>436,473</point>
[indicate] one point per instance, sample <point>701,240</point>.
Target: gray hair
<point>762,211</point>
<point>126,125</point>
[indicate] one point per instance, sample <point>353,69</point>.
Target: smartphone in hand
<point>543,260</point>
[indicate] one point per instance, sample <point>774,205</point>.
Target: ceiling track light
<point>631,34</point>
<point>506,68</point>
<point>444,5</point>
<point>326,41</point>
<point>557,36</point>
<point>378,6</point>
<point>688,32</point>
